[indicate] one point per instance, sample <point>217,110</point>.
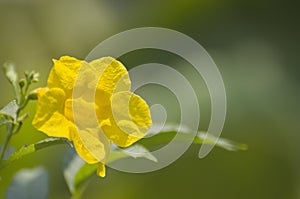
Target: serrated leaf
<point>10,72</point>
<point>10,109</point>
<point>28,184</point>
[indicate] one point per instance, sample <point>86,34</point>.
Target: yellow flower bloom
<point>122,116</point>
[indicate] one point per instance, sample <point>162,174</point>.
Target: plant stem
<point>23,104</point>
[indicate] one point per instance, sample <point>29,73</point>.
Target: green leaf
<point>139,151</point>
<point>10,109</point>
<point>221,142</point>
<point>169,132</point>
<point>72,165</point>
<point>26,150</point>
<point>9,150</point>
<point>76,171</point>
<point>51,141</point>
<point>28,184</point>
<point>10,72</point>
<point>4,121</point>
<point>83,173</point>
<point>86,170</point>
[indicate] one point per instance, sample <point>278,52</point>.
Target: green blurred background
<point>254,43</point>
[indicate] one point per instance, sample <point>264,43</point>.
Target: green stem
<point>18,128</point>
<point>23,103</point>
<point>11,130</point>
<point>17,92</point>
<point>77,195</point>
<point>24,99</point>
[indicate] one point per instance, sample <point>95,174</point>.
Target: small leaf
<point>28,184</point>
<point>10,72</point>
<point>10,109</point>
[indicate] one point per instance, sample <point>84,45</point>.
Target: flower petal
<point>113,78</point>
<point>49,116</point>
<point>91,145</point>
<point>129,120</point>
<point>64,73</point>
<point>81,112</point>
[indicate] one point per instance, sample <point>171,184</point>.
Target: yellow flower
<point>122,117</point>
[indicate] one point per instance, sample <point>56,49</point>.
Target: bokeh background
<point>254,43</point>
